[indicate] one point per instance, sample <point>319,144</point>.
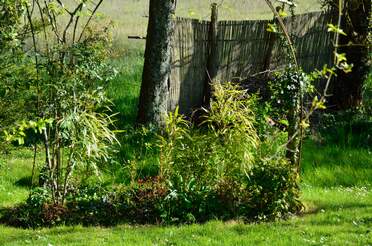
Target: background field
<point>129,16</point>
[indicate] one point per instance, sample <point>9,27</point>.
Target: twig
<point>136,37</point>
<point>53,22</point>
<point>33,165</point>
<point>89,20</point>
<point>29,17</point>
<point>75,26</point>
<point>71,20</point>
<point>285,31</point>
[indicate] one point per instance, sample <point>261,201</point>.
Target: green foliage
<point>338,216</point>
<point>11,12</point>
<point>231,118</point>
<point>217,170</point>
<point>187,201</point>
<point>214,169</point>
<point>285,90</point>
<point>351,128</point>
<point>89,205</point>
<point>16,98</point>
<point>224,146</point>
<point>348,128</point>
<point>367,95</point>
<point>275,188</point>
<point>63,85</point>
<point>269,194</point>
<point>19,132</point>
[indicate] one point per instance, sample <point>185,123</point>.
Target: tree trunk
<point>212,67</point>
<point>347,89</point>
<point>153,102</point>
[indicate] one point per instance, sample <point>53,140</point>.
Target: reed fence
<point>204,51</point>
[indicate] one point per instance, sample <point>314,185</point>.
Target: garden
<point>78,166</point>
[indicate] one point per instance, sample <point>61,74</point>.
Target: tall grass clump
<point>225,144</point>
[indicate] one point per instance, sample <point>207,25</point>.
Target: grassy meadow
<point>336,180</point>
<point>129,16</point>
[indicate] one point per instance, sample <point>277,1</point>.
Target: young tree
<point>64,87</point>
<point>155,79</point>
<point>13,65</point>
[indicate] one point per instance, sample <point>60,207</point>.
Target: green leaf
<point>335,29</point>
<point>340,58</point>
<point>282,13</point>
<point>284,122</point>
<point>304,124</point>
<point>271,28</point>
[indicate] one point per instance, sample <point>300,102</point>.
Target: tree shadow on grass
<point>335,208</point>
<point>25,181</point>
<point>330,166</point>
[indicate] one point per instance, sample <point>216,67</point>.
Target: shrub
<point>224,145</point>
<point>38,210</point>
<point>222,169</point>
<point>274,187</point>
<point>349,128</point>
<point>187,201</point>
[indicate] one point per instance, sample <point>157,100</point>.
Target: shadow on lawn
<point>25,182</point>
<point>321,207</point>
<point>330,165</point>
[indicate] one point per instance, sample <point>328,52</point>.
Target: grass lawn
<point>336,189</point>
<point>336,215</point>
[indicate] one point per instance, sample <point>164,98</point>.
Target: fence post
<point>270,46</point>
<point>212,66</point>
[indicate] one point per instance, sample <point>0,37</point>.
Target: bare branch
<point>71,20</point>
<point>285,31</point>
<point>90,18</point>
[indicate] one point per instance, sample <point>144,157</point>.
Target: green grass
<point>15,171</point>
<point>336,185</point>
<point>124,90</point>
<point>332,166</point>
<point>336,216</point>
<point>336,190</point>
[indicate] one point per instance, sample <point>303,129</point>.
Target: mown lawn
<point>336,190</point>
<point>335,216</point>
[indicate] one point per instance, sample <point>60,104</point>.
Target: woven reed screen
<point>243,48</point>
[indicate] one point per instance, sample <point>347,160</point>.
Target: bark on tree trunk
<point>212,67</point>
<point>347,89</point>
<point>153,102</point>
